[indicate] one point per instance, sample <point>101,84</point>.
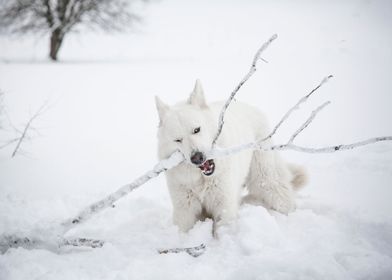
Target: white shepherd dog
<point>212,188</point>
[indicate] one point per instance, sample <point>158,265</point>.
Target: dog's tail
<point>300,176</point>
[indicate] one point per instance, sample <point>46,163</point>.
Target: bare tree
<point>59,17</point>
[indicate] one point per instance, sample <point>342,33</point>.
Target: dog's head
<point>188,127</point>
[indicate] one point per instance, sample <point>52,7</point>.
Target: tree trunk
<point>56,39</point>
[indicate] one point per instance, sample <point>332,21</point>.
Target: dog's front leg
<point>186,208</point>
<point>224,205</point>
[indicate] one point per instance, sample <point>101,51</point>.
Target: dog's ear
<point>162,108</point>
<point>197,96</point>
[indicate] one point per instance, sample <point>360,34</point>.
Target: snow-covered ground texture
<point>99,133</point>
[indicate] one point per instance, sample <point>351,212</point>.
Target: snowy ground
<point>99,133</point>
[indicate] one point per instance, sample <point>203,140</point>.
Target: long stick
<point>175,159</point>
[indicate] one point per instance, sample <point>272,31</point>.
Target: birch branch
<point>308,121</point>
<point>296,106</point>
<point>329,149</point>
<point>252,70</point>
<point>55,239</point>
<point>220,153</point>
<point>175,159</point>
<point>264,144</point>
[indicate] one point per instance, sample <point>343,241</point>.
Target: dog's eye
<point>196,130</point>
<point>178,140</point>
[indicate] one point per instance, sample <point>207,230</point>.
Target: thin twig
<point>13,241</point>
<point>9,143</point>
<point>295,107</point>
<point>193,251</point>
<point>27,127</point>
<point>82,242</point>
<point>329,149</point>
<point>308,121</point>
<point>252,70</point>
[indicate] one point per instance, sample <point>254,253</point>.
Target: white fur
<point>267,177</point>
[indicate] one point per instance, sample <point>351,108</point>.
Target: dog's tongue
<point>205,166</point>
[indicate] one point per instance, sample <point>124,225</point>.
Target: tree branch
<point>308,121</point>
<point>296,106</point>
<point>329,149</point>
<point>175,159</point>
<point>252,70</point>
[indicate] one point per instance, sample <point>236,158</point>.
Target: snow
<point>99,134</point>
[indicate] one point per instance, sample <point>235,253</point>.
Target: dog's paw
<point>284,207</point>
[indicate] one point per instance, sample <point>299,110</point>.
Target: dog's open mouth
<point>208,167</point>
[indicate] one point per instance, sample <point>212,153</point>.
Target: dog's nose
<point>198,158</point>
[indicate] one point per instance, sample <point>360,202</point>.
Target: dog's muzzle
<point>206,166</point>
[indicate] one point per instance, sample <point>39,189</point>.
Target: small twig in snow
<point>82,242</point>
<point>193,251</point>
<point>14,241</point>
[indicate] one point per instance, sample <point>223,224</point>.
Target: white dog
<point>212,188</point>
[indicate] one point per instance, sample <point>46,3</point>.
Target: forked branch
<point>296,106</point>
<point>177,157</point>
